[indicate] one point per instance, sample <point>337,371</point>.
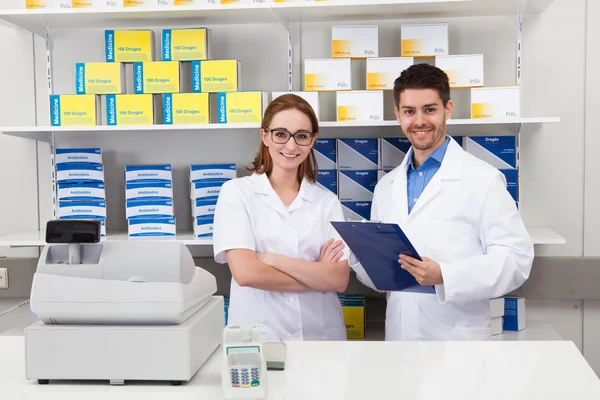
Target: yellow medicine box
<point>185,44</point>
<point>327,75</point>
<point>496,102</point>
<point>353,308</point>
<point>216,76</point>
<point>464,71</point>
<point>424,40</point>
<point>65,4</point>
<point>74,110</point>
<point>129,45</point>
<point>238,107</point>
<point>360,41</point>
<point>129,109</point>
<point>382,72</point>
<point>99,78</point>
<point>157,77</point>
<point>185,108</point>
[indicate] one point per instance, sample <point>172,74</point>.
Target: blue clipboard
<point>377,247</point>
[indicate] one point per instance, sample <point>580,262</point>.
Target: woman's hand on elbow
<point>332,251</point>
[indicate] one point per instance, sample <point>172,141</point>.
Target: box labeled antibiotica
<point>81,191</point>
<point>206,190</point>
<point>100,78</point>
<point>498,151</point>
<point>326,153</point>
<point>212,172</point>
<point>328,179</point>
<point>355,41</point>
<point>185,108</point>
<point>311,98</point>
<point>203,226</point>
<point>359,106</point>
<point>149,208</point>
<point>213,76</point>
<point>129,109</point>
<point>327,75</point>
<point>357,185</point>
<point>156,77</point>
<point>203,207</point>
<point>79,173</point>
<point>392,151</point>
<point>151,227</point>
<point>148,173</point>
<point>86,217</point>
<point>464,71</point>
<point>424,40</point>
<point>238,107</point>
<point>78,155</point>
<point>358,153</point>
<point>149,190</point>
<point>129,45</point>
<point>356,210</point>
<point>496,102</point>
<point>512,182</point>
<point>185,44</point>
<point>75,110</point>
<point>382,72</point>
<point>514,314</point>
<point>82,209</point>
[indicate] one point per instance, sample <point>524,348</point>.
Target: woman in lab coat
<point>273,230</point>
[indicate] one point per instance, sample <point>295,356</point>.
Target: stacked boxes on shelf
<point>149,201</point>
<point>205,186</point>
<point>80,184</point>
<point>353,307</point>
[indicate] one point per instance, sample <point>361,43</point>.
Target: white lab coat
<point>250,215</point>
<point>466,220</point>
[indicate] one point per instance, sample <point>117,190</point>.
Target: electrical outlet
<point>3,278</point>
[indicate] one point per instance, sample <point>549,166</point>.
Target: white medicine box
<point>496,102</point>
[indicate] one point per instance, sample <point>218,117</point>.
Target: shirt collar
<point>263,186</point>
<point>437,155</point>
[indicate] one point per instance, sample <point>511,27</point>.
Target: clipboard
<point>377,247</point>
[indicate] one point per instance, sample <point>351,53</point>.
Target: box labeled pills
<point>323,75</point>
<point>129,109</point>
<point>424,40</point>
<point>78,155</point>
<point>464,71</point>
<point>129,45</point>
<point>382,72</point>
<point>100,78</point>
<point>213,76</point>
<point>151,227</point>
<point>359,106</point>
<point>238,107</point>
<point>75,110</point>
<point>496,102</point>
<point>185,108</point>
<point>185,44</point>
<point>355,41</point>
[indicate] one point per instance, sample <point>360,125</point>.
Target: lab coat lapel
<point>263,187</point>
<point>399,193</point>
<point>449,170</point>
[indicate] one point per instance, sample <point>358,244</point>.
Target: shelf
<point>44,133</point>
<point>335,10</point>
<point>37,238</point>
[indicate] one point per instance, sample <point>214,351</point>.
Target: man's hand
<point>332,251</point>
<point>426,272</point>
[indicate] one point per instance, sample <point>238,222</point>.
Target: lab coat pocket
<point>472,333</point>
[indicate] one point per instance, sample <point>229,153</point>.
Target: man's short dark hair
<point>422,76</point>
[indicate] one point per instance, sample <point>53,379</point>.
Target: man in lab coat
<point>456,211</point>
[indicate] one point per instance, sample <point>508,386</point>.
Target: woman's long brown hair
<point>263,163</point>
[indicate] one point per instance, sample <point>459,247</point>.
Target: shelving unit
<point>288,15</point>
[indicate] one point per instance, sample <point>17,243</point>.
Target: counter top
<point>528,370</point>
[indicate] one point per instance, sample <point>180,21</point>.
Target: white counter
<point>358,370</point>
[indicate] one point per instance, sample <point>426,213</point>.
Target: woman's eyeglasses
<point>282,136</point>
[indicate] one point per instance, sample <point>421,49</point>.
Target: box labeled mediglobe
<point>81,191</point>
<point>213,76</point>
<point>157,77</point>
<point>328,179</point>
<point>327,75</point>
<point>424,40</point>
<point>129,45</point>
<point>464,71</point>
<point>496,102</point>
<point>185,44</point>
<point>148,173</point>
<point>312,98</point>
<point>75,110</point>
<point>129,109</point>
<point>359,106</point>
<point>355,41</point>
<point>149,227</point>
<point>79,173</point>
<point>358,153</point>
<point>238,107</point>
<point>185,108</point>
<point>498,151</point>
<point>212,172</point>
<point>382,72</point>
<point>149,208</point>
<point>82,209</point>
<point>100,78</point>
<point>78,155</point>
<point>357,185</point>
<point>326,153</point>
<point>149,190</point>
